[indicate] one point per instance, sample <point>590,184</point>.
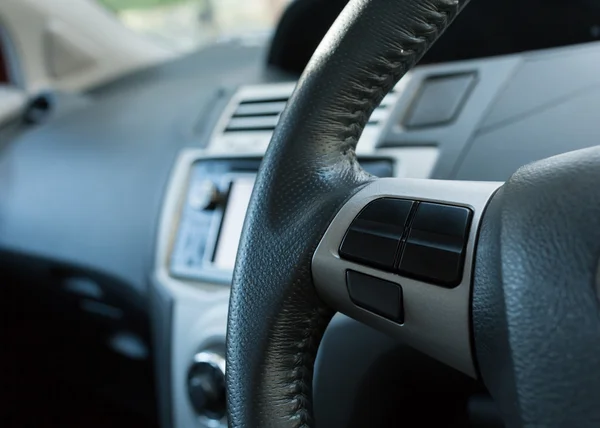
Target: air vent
<point>250,119</point>
<point>256,115</point>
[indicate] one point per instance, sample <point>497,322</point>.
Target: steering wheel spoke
<point>398,256</point>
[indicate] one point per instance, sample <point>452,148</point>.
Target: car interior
<point>377,213</point>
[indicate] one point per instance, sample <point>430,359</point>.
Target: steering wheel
<point>498,280</point>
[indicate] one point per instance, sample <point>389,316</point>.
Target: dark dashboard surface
<point>84,190</point>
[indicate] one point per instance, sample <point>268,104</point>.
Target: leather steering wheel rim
<point>276,319</point>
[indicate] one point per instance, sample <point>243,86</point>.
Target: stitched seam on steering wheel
<point>380,76</point>
<point>302,374</point>
<point>395,64</point>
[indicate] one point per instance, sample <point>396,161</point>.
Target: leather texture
<point>276,319</point>
<point>536,319</point>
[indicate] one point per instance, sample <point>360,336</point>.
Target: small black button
<point>376,295</point>
<point>370,247</point>
<point>442,219</point>
<point>374,236</point>
<point>435,247</point>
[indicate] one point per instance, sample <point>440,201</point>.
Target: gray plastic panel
<point>570,125</point>
<point>437,319</point>
<point>544,79</point>
<point>539,114</point>
<point>451,138</point>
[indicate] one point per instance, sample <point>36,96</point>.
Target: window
<point>186,24</point>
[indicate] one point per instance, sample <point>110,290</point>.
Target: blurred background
<point>186,24</point>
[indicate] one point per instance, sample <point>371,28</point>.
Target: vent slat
<point>254,122</point>
<point>247,131</point>
<point>266,100</point>
<point>260,109</point>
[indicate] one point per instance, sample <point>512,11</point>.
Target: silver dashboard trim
<point>436,318</point>
<point>211,358</point>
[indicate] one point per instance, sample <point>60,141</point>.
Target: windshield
<point>186,24</point>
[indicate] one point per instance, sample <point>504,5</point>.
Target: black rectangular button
<point>374,236</point>
<point>426,257</point>
<point>442,219</point>
<point>435,247</point>
<point>371,248</point>
<point>376,295</point>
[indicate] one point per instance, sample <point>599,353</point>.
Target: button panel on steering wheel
<point>399,256</point>
<point>421,240</point>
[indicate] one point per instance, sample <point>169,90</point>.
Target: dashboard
<point>131,197</point>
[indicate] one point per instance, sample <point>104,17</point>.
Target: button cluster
<point>422,240</point>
